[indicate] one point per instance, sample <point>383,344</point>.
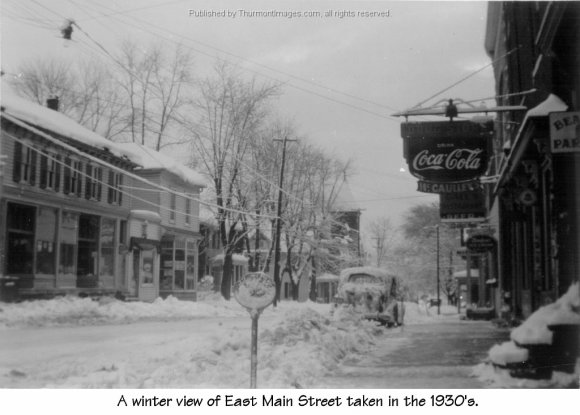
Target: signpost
<point>255,292</point>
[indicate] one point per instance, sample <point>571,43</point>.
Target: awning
<point>144,244</point>
<point>539,113</point>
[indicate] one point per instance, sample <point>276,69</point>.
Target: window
<point>50,172</point>
<point>87,255</point>
<point>190,272</point>
<point>94,179</point>
<point>187,211</point>
<point>107,257</point>
<point>45,241</point>
<point>24,164</point>
<point>172,207</point>
<point>72,177</point>
<point>20,242</point>
<point>68,244</point>
<point>115,184</point>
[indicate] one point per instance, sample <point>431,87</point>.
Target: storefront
<point>177,275</point>
<point>52,250</point>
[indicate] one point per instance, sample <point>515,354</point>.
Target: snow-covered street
<point>81,343</point>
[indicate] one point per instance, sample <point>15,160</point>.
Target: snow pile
<point>533,332</point>
<point>495,378</point>
<point>70,311</point>
<point>507,352</point>
<point>564,311</point>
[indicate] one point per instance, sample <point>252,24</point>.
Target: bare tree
<point>230,113</point>
<point>154,81</point>
<point>383,234</point>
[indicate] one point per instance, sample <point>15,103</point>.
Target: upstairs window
<point>72,177</point>
<point>24,164</point>
<point>50,172</point>
<point>93,182</point>
<point>187,211</point>
<point>115,184</point>
<point>172,206</point>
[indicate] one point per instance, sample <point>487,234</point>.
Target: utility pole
<point>438,284</point>
<point>277,279</point>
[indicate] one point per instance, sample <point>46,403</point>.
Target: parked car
<point>372,292</point>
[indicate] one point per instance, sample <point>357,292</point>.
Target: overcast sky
<point>344,72</point>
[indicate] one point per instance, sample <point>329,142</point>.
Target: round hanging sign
<point>255,291</point>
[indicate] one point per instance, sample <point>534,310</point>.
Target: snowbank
<point>534,332</point>
<point>564,311</point>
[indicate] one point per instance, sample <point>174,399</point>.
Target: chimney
<point>52,102</point>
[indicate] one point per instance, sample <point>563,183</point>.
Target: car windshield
<point>364,279</point>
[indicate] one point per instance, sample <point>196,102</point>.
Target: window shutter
<point>111,186</point>
<point>89,182</point>
<point>99,182</point>
<point>43,170</point>
<point>33,166</point>
<point>17,172</point>
<point>57,174</point>
<point>67,179</point>
<point>79,181</point>
<point>119,189</point>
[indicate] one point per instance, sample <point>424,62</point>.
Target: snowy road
<point>109,355</point>
<point>422,356</point>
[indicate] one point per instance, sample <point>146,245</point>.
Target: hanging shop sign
<point>445,151</point>
<point>462,207</point>
<point>565,132</point>
<point>480,244</point>
<point>428,187</point>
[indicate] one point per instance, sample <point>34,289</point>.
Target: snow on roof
<point>151,159</point>
<point>145,215</point>
<point>235,257</point>
<point>552,104</point>
<point>48,119</point>
<point>57,122</point>
<point>327,278</point>
<point>462,274</point>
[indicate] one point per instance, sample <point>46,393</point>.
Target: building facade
<point>535,199</point>
<point>83,215</point>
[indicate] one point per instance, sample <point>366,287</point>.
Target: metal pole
<point>254,355</point>
<point>277,279</point>
<point>438,294</point>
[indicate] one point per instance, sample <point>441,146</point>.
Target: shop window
<point>68,244</point>
<point>24,164</point>
<point>107,257</point>
<point>166,271</point>
<point>20,238</point>
<point>87,253</point>
<point>179,266</point>
<point>190,271</point>
<point>45,241</point>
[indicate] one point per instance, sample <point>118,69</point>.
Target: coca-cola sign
<point>443,152</point>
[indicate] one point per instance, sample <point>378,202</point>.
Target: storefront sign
<point>444,152</point>
<point>480,244</point>
<point>462,206</point>
<point>428,187</point>
<point>565,132</point>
